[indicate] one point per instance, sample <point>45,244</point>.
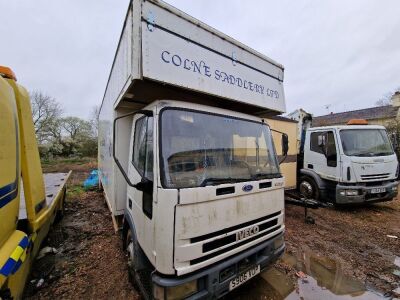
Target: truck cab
<point>349,164</point>
<point>212,186</point>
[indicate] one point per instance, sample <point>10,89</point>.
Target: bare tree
<point>94,120</point>
<point>78,137</point>
<point>45,112</point>
<point>76,128</point>
<point>386,98</point>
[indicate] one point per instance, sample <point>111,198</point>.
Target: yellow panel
<point>289,170</point>
<point>289,166</point>
<point>9,162</point>
<point>288,127</point>
<point>35,197</point>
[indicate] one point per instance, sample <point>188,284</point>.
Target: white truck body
<point>138,65</point>
<point>362,167</point>
<point>186,224</point>
<point>345,164</point>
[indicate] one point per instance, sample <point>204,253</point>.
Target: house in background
<point>381,115</point>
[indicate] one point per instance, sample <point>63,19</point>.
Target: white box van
<point>186,160</point>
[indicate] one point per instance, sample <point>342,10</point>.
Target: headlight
<point>182,291</point>
<point>278,242</point>
<point>394,188</point>
<point>351,192</point>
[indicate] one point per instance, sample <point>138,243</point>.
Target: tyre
<point>138,274</point>
<point>308,188</point>
<point>131,257</point>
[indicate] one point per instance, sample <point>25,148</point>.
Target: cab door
<point>140,201</point>
<point>322,156</point>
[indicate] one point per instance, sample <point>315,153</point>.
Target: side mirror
<point>285,144</point>
<point>145,185</point>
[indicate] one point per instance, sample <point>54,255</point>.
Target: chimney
<point>396,99</point>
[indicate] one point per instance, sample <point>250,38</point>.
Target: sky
<point>338,55</point>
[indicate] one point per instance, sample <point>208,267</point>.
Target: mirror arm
<point>286,154</point>
<point>283,159</point>
<point>148,113</point>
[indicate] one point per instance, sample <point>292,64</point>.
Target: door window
<point>142,157</point>
<point>317,141</point>
<point>331,155</point>
<point>324,142</point>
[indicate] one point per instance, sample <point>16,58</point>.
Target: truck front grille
<point>211,255</point>
<point>266,225</point>
<point>232,238</point>
<point>226,230</point>
<point>375,176</point>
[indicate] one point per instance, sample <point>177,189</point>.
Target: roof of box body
<point>175,56</point>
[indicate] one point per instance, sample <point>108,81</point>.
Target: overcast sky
<point>345,54</point>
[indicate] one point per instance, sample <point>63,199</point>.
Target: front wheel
<point>308,188</point>
<point>139,272</point>
<point>131,254</point>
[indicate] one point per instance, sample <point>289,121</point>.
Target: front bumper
<point>213,281</point>
<point>365,194</point>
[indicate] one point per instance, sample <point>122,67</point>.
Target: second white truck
<point>186,160</point>
<point>345,164</point>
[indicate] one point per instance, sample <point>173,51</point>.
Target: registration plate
<point>242,278</point>
<point>378,190</point>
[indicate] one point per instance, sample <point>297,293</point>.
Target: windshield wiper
<point>364,153</point>
<point>266,176</point>
<point>383,153</point>
<point>215,181</point>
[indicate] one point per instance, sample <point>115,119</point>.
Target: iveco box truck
<point>187,162</point>
<point>345,164</point>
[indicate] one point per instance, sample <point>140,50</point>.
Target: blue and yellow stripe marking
<point>10,191</point>
<point>16,258</point>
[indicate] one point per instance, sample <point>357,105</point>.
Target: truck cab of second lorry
<point>349,164</point>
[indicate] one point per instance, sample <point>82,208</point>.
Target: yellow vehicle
<point>29,200</point>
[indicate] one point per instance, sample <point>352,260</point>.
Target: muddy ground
<point>345,251</point>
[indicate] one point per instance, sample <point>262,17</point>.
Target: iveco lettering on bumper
<point>247,232</point>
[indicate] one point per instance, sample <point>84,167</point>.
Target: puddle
<point>397,261</point>
<point>323,279</point>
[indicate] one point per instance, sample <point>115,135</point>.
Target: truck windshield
<point>199,149</point>
<point>365,142</point>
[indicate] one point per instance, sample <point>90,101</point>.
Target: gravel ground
<point>90,264</point>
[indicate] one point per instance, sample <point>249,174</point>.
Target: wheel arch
<point>313,175</point>
<point>126,226</point>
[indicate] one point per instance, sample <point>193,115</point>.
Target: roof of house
<point>372,113</point>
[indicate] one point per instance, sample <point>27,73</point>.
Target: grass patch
<point>75,191</point>
<point>74,160</point>
<point>84,164</point>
